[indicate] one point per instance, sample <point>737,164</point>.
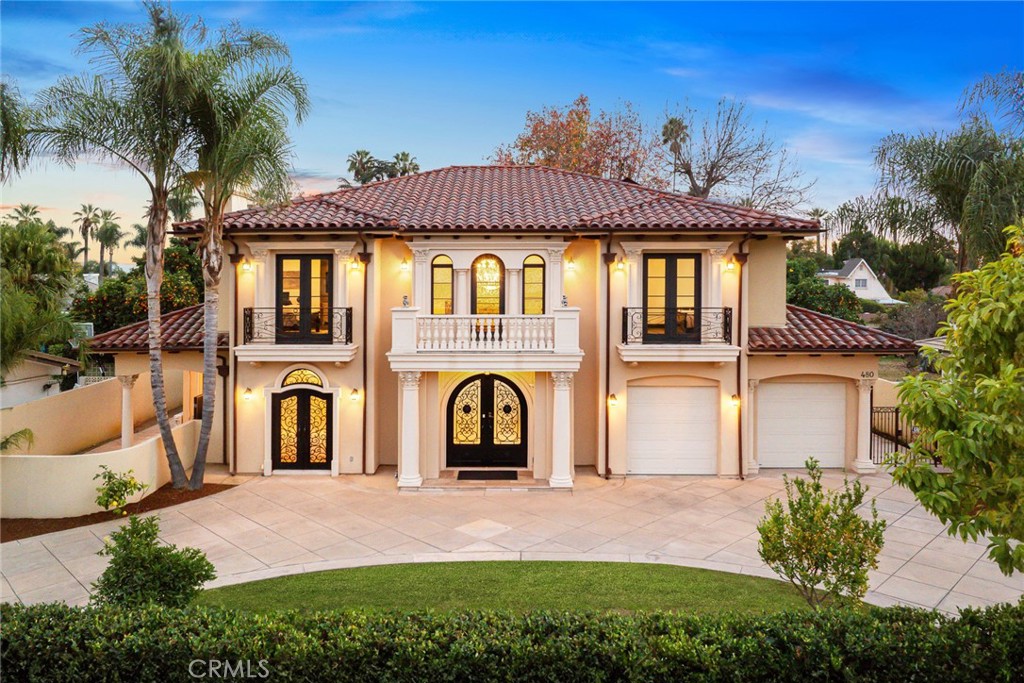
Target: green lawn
<point>517,586</point>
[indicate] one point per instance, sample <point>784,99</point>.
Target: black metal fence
<point>890,432</point>
<point>677,325</point>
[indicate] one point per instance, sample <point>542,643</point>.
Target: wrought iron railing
<point>677,325</point>
<point>274,326</point>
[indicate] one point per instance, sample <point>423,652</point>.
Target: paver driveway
<point>284,525</point>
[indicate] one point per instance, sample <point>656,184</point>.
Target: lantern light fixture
<point>247,394</point>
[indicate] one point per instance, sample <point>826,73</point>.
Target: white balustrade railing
<point>557,333</point>
<point>485,333</point>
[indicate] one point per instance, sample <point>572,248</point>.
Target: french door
<point>301,430</point>
<point>304,299</point>
<point>672,298</point>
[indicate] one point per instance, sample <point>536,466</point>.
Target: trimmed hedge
<point>56,643</point>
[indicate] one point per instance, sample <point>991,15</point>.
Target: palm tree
<point>109,236</point>
<point>362,166</point>
<point>72,249</point>
<point>15,120</point>
<point>674,133</point>
<point>133,112</point>
<point>405,164</point>
<point>818,214</point>
<point>24,213</point>
<point>181,204</point>
<point>139,238</point>
<point>88,217</point>
<point>242,125</point>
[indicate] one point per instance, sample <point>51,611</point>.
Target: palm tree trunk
<point>154,278</point>
<point>85,251</point>
<point>213,261</point>
<point>100,280</point>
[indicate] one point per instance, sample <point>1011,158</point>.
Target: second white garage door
<point>672,430</point>
<point>797,421</point>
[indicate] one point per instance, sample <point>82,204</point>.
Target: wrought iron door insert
<point>487,424</point>
<point>302,430</point>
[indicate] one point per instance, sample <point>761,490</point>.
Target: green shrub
<point>142,571</point>
<point>116,489</point>
<point>818,541</point>
<point>56,643</point>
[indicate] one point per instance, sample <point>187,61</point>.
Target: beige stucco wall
<point>390,284</point>
<point>93,410</point>
<point>886,393</point>
<point>766,282</point>
<point>582,289</point>
<point>46,486</point>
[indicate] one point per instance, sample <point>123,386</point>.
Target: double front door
<point>487,424</point>
<point>302,430</point>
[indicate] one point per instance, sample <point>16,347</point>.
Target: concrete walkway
<point>282,525</point>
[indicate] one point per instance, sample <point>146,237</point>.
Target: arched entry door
<point>487,423</point>
<point>301,429</point>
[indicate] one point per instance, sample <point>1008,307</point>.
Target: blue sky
<point>450,81</point>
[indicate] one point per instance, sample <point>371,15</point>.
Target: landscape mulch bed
<point>18,528</point>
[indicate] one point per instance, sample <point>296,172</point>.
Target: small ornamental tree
<point>818,542</point>
<point>816,294</point>
<point>142,571</point>
<point>116,489</point>
<point>971,417</point>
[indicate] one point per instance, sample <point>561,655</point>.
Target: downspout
<point>364,257</point>
<point>232,455</point>
<point>741,260</point>
<point>609,258</point>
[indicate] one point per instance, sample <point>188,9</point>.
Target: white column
<point>262,284</point>
<point>421,279</point>
<point>127,412</point>
<point>634,292</point>
<point>555,284</point>
<point>342,257</point>
<point>462,285</point>
<point>409,472</point>
<point>863,464</point>
<point>513,291</point>
<point>750,415</point>
<point>714,299</point>
<point>561,441</point>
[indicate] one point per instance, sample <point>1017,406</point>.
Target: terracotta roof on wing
<point>810,331</point>
<point>505,198</point>
<point>181,330</point>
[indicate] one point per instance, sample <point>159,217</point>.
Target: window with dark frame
<point>533,285</point>
<point>304,298</point>
<point>671,298</point>
<point>441,280</point>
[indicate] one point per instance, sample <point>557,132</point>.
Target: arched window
<point>488,286</point>
<point>302,376</point>
<point>533,285</point>
<point>441,286</point>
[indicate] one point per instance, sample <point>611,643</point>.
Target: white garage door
<point>672,430</point>
<point>797,421</point>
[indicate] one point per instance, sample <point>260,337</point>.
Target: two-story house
<point>861,279</point>
<point>525,319</point>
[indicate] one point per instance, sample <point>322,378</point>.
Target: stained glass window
<point>488,286</point>
<point>302,376</point>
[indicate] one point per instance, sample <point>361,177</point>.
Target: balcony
<point>281,334</point>
<point>677,335</point>
<point>485,342</point>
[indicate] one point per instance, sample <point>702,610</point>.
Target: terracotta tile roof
<point>505,198</point>
<point>811,331</point>
<point>181,330</point>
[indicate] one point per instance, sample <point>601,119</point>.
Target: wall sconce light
<point>730,264</point>
<point>405,265</point>
<point>612,400</point>
<point>246,266</point>
<point>620,265</point>
<point>354,264</point>
<point>735,400</point>
<point>247,394</point>
<point>354,396</point>
<point>570,265</point>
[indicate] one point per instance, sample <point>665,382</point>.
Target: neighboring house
<point>858,276</point>
<point>37,376</point>
<point>521,318</point>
